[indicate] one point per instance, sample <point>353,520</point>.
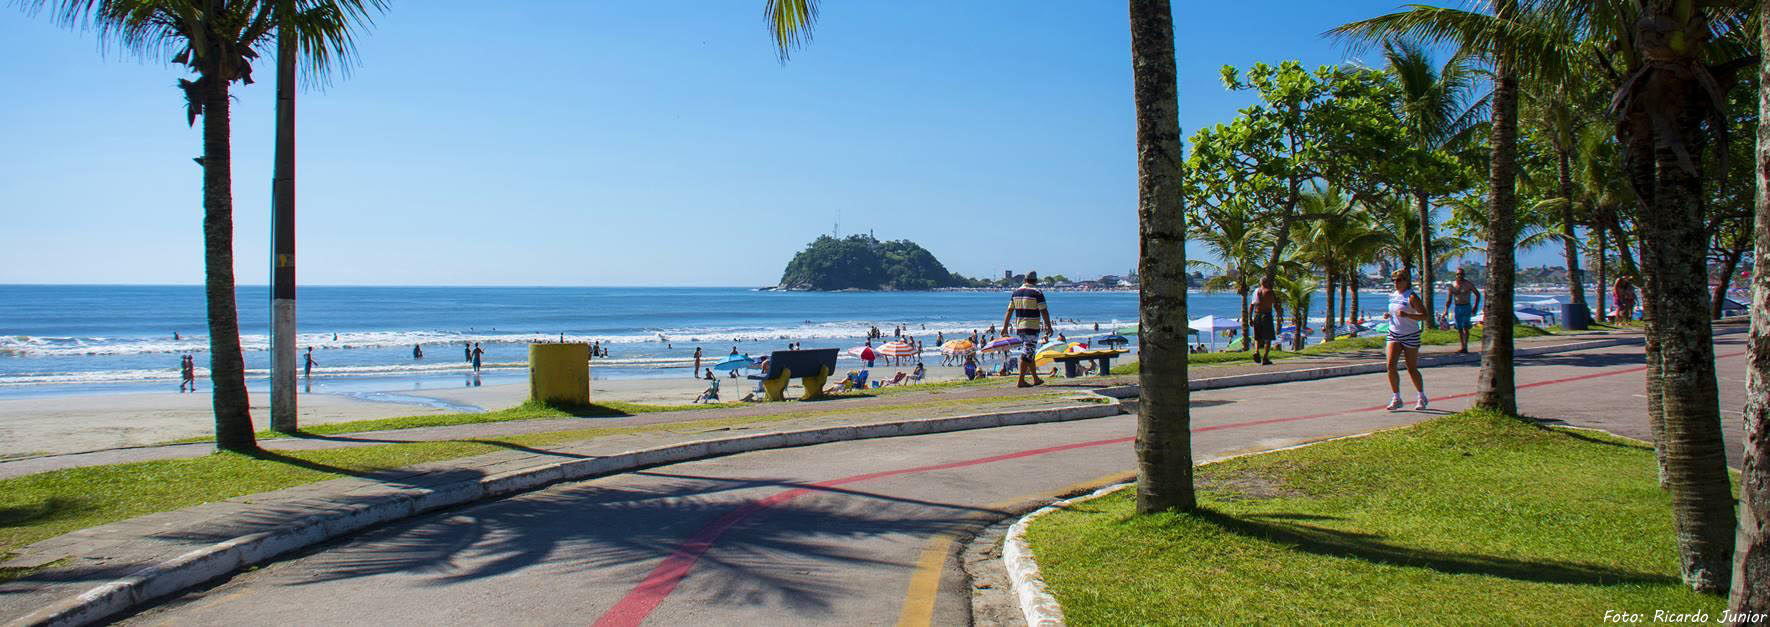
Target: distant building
<point>1110,280</point>
<point>1008,275</point>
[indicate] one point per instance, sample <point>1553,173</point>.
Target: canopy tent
<point>1210,325</point>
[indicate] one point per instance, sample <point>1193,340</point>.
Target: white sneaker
<point>1395,403</point>
<point>1419,405</point>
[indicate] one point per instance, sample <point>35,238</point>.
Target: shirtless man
<point>1263,330</point>
<point>1458,302</point>
<point>1623,291</point>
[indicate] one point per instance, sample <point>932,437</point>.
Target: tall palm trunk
<point>1355,312</point>
<point>1246,319</point>
<point>1164,423</point>
<point>1345,279</point>
<point>1564,169</point>
<point>1751,550</point>
<point>1495,387</point>
<point>1426,258</point>
<point>1327,316</point>
<point>227,367</point>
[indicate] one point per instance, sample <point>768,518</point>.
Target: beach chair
<point>811,367</point>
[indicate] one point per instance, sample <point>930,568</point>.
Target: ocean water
<point>94,338</point>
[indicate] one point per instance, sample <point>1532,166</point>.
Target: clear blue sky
<point>549,142</point>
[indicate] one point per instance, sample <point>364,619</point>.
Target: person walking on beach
<point>1405,313</point>
<point>1265,299</point>
<point>477,354</point>
<point>1030,317</point>
<point>1459,303</point>
<point>307,369</point>
<point>1623,291</point>
<point>697,362</point>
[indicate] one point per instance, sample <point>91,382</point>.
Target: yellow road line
<point>918,601</point>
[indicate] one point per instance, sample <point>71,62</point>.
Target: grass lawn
<point>526,411</point>
<point>39,506</point>
<point>1342,345</point>
<point>1470,518</point>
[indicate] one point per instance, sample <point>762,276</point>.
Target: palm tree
<point>1297,291</point>
<point>217,40</point>
<point>297,21</point>
<point>1751,585</point>
<point>1515,44</point>
<point>1230,233</point>
<point>1550,111</point>
<point>1333,241</point>
<point>1438,109</point>
<point>1164,425</point>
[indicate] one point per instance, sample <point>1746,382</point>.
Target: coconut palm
<point>1516,43</point>
<point>1751,585</point>
<point>217,40</point>
<point>1230,233</point>
<point>1333,241</point>
<point>1164,425</point>
<point>1297,291</point>
<point>1438,107</point>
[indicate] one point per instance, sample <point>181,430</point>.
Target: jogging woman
<point>1405,313</point>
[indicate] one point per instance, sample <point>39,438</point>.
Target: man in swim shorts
<point>1458,301</point>
<point>1263,328</point>
<point>1029,317</point>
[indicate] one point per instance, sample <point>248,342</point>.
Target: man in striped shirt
<point>1027,316</point>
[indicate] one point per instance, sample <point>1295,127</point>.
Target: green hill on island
<point>864,263</point>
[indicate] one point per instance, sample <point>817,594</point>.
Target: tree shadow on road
<point>782,543</point>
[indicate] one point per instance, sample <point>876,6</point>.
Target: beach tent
<point>1530,316</point>
<point>1213,324</point>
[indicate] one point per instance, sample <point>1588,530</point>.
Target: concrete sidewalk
<point>150,548</point>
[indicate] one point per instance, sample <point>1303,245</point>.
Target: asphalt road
<point>855,533</point>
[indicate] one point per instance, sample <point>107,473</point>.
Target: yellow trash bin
<point>559,373</point>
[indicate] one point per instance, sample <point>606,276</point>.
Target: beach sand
<point>68,424</point>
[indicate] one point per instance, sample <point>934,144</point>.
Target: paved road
<point>848,533</point>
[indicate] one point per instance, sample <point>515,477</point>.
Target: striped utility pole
<point>282,235</point>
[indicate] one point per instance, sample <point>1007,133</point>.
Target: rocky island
<point>861,262</point>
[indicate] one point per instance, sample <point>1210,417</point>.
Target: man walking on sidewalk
<point>1026,313</point>
<point>1458,302</point>
<point>1263,329</point>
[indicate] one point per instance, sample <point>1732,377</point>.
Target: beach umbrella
<point>1113,339</point>
<point>1002,344</point>
<point>896,349</point>
<point>1054,345</point>
<point>957,347</point>
<point>856,351</point>
<point>735,362</point>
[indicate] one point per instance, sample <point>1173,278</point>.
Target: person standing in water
<point>1405,313</point>
<point>467,347</point>
<point>1030,317</point>
<point>477,354</point>
<point>417,351</point>
<point>1459,303</point>
<point>697,362</point>
<point>1263,329</point>
<point>307,369</point>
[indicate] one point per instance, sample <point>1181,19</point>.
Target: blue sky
<point>550,142</point>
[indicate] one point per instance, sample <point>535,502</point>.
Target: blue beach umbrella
<point>734,362</point>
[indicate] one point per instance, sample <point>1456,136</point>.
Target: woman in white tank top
<point>1405,313</point>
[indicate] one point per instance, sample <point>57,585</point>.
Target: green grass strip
<point>1474,518</point>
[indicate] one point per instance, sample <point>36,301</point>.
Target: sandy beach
<point>75,423</point>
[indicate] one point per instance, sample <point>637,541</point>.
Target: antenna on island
<point>836,231</point>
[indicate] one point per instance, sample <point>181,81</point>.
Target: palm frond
<point>790,23</point>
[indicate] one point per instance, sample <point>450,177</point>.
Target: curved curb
<point>1036,602</point>
<point>223,558</point>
